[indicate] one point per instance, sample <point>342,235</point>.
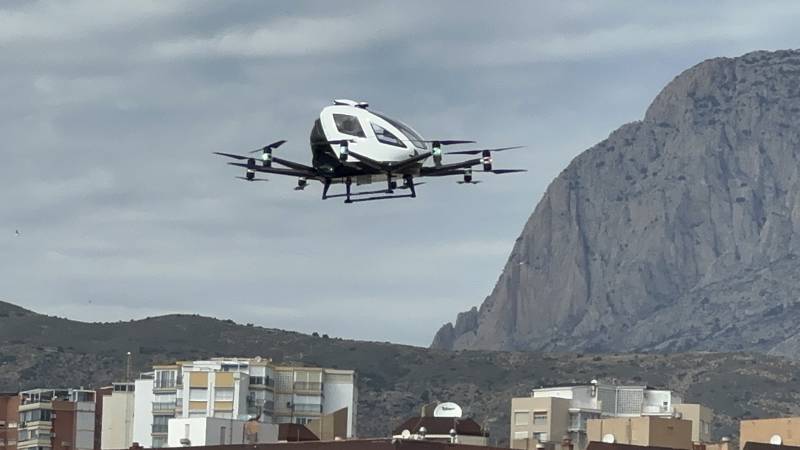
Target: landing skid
<point>389,194</point>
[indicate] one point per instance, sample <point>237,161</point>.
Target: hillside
<point>677,233</point>
<point>394,380</point>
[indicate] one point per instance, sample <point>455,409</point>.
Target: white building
<point>615,401</point>
<point>238,389</point>
<point>117,420</point>
<point>143,410</point>
<point>199,431</point>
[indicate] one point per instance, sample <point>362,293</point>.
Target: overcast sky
<point>109,112</point>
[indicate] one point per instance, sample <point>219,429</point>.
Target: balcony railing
<point>262,381</point>
<point>311,386</point>
<point>163,406</point>
<point>307,408</point>
<point>158,428</point>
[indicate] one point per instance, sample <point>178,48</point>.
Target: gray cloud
<point>111,108</point>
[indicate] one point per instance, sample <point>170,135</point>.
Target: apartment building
<point>56,419</point>
<point>238,389</point>
<point>647,431</point>
<point>777,431</point>
<point>116,416</point>
<point>9,404</point>
<point>551,413</point>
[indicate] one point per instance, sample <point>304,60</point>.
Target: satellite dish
<point>447,409</point>
<point>406,434</point>
<point>609,438</point>
<point>776,439</point>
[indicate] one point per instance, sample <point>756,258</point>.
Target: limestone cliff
<point>677,232</point>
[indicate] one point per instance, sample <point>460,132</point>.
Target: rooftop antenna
<point>128,368</point>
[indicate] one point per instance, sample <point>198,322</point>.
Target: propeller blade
<point>502,171</point>
<point>443,141</point>
<point>253,179</point>
<point>231,155</point>
<point>273,146</point>
<point>479,151</point>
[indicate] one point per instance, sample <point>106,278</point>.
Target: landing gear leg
<point>410,183</point>
<point>325,188</point>
<point>347,184</point>
<point>390,185</point>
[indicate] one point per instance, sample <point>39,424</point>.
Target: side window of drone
<point>348,125</point>
<point>385,136</point>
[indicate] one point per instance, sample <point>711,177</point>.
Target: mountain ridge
<point>678,232</point>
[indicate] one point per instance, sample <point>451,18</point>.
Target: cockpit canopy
<point>347,119</point>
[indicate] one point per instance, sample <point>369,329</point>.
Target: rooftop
<point>441,426</point>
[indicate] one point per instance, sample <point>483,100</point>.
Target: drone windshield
<point>410,134</point>
<point>385,136</point>
<point>348,124</point>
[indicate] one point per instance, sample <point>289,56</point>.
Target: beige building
<point>117,417</point>
<point>551,413</point>
<point>701,418</point>
<point>543,420</point>
<point>642,431</point>
<point>782,431</point>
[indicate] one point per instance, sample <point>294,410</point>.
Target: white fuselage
<point>371,134</point>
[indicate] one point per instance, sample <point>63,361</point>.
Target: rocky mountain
<point>678,232</point>
<point>393,380</point>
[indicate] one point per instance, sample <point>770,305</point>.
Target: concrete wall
<point>143,413</point>
<point>556,425</point>
<point>762,430</point>
<point>339,391</point>
<point>644,431</point>
<point>209,431</point>
<point>701,417</point>
<point>330,426</point>
<point>117,421</point>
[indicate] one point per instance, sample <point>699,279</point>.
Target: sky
<point>109,112</point>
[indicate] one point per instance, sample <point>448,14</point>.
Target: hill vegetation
<point>394,380</point>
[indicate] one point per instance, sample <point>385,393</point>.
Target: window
<point>35,415</point>
<point>159,442</point>
<point>161,424</point>
<point>405,129</point>
<point>165,379</point>
<point>540,437</point>
<point>348,125</point>
<point>540,418</point>
<point>223,431</point>
<point>386,137</point>
<point>196,394</point>
<point>520,435</point>
<point>223,394</point>
<point>521,418</point>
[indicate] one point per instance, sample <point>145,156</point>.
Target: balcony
<point>34,405</point>
<point>307,408</point>
<point>163,407</point>
<point>308,386</point>
<point>266,382</point>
